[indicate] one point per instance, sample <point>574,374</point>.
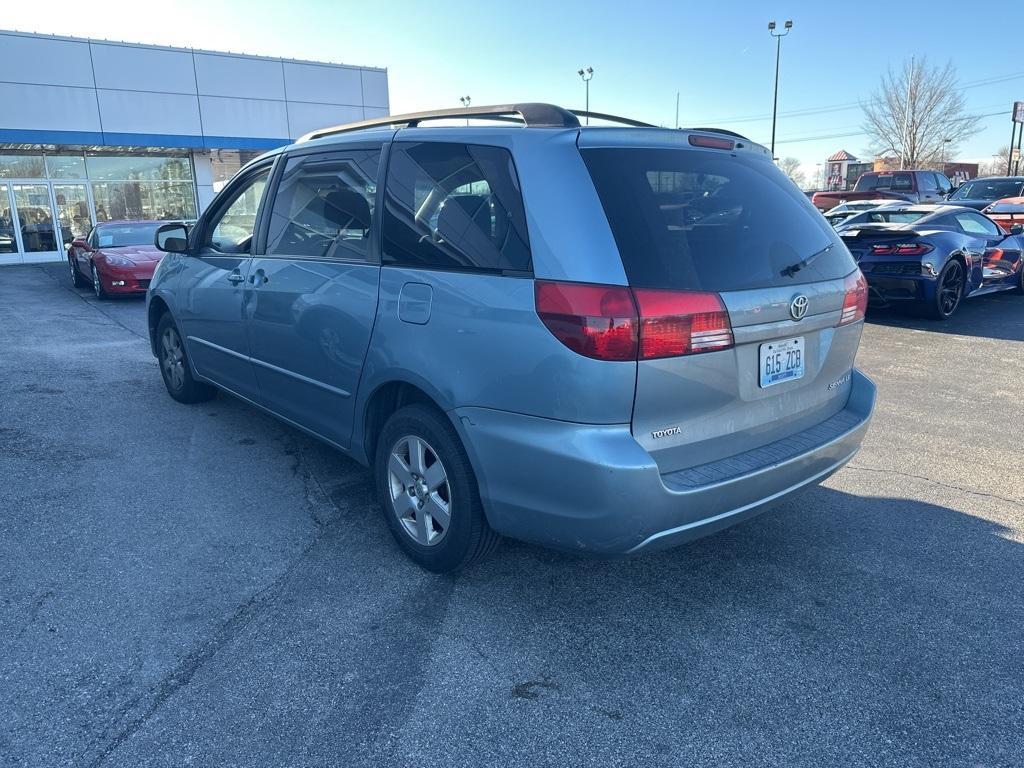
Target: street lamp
<point>587,75</point>
<point>465,102</point>
<point>778,50</point>
<point>944,143</point>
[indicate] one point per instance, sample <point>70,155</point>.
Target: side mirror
<point>1017,229</point>
<point>172,238</point>
<point>80,243</point>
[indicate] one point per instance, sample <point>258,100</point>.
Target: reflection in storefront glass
<point>22,167</point>
<point>143,200</point>
<point>8,241</point>
<point>35,217</point>
<point>65,166</point>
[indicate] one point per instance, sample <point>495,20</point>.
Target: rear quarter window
<point>711,221</point>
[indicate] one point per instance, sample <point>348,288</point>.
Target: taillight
<point>674,323</point>
<point>901,249</point>
<point>855,300</point>
<point>608,322</point>
<point>597,321</point>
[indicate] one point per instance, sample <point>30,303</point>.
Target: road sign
<point>1018,111</point>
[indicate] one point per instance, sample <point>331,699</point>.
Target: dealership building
<point>94,130</point>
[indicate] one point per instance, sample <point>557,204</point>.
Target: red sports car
<point>118,257</point>
<point>1006,212</point>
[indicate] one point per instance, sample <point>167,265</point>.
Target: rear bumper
<point>593,488</point>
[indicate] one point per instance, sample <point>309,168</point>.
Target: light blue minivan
<point>603,339</point>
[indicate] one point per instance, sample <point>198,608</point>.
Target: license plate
<point>782,361</point>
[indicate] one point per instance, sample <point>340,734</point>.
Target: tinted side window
<point>454,206</point>
<point>231,228</point>
<point>711,221</point>
<point>324,206</point>
<point>976,225</point>
<point>944,184</point>
<point>926,182</point>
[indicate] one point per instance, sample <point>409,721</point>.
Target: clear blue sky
<point>717,55</point>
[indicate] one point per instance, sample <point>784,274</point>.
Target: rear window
<point>701,220</point>
<point>894,182</point>
<point>124,235</point>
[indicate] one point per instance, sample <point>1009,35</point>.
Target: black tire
<point>945,304</point>
<point>97,286</point>
<point>77,279</point>
<point>467,538</point>
<point>1019,290</point>
<point>174,365</point>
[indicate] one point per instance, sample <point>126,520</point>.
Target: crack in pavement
<point>880,470</point>
<point>91,304</point>
<point>181,675</point>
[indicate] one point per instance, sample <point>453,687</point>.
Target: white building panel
<point>304,118</point>
<point>44,61</point>
<point>137,112</point>
<point>375,88</point>
<point>134,68</point>
<point>323,85</point>
<point>244,117</point>
<point>237,76</point>
<point>48,108</point>
<point>372,112</point>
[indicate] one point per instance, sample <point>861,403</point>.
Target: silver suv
<point>601,339</point>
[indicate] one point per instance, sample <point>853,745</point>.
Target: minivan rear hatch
<point>714,218</point>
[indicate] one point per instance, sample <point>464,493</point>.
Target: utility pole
<point>677,110</point>
<point>587,75</point>
<point>778,52</point>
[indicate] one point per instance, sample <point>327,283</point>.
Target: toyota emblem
<point>798,307</point>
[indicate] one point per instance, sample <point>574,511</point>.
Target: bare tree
<point>997,165</point>
<point>791,167</point>
<point>918,114</point>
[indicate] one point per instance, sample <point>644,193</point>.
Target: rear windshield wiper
<point>792,269</point>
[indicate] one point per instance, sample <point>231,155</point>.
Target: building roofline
<point>182,49</point>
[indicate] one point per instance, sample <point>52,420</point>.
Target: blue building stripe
<point>106,139</point>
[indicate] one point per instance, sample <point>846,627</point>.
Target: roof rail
<point>612,118</point>
<point>533,114</point>
<point>720,130</point>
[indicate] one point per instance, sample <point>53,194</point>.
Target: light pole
<point>587,75</point>
<point>778,51</point>
<point>465,102</point>
<point>944,143</point>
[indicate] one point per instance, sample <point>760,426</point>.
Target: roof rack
<point>532,114</point>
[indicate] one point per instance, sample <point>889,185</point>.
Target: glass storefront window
<point>22,167</point>
<point>65,166</point>
<point>138,168</point>
<point>143,200</point>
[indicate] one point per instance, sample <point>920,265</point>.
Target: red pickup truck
<point>915,186</point>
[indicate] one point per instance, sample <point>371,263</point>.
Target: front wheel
<point>429,493</point>
<point>1019,290</point>
<point>174,365</point>
<point>949,291</point>
<point>97,285</point>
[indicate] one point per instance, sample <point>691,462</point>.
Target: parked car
<point>1006,212</point>
<point>844,211</point>
<point>934,256</point>
<point>602,339</point>
<point>915,186</point>
<point>117,258</point>
<point>888,212</point>
<point>981,193</point>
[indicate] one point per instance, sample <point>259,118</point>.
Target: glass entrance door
<point>72,211</point>
<point>9,251</point>
<point>33,210</point>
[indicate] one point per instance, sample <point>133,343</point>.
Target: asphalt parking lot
<point>204,586</point>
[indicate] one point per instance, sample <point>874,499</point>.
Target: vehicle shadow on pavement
<point>996,316</point>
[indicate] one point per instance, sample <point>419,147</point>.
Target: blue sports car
<point>933,256</point>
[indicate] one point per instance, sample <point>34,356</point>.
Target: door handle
<point>235,278</point>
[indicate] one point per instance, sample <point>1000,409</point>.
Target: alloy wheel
<point>97,287</point>
<point>74,275</point>
<point>951,289</point>
<point>172,359</point>
<point>420,492</point>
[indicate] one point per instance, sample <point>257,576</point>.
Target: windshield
<point>988,189</point>
<point>711,221</point>
<point>891,181</point>
<point>123,235</point>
